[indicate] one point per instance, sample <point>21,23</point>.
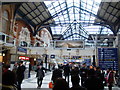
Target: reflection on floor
<point>32,82</point>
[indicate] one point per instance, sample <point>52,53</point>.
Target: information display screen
<point>108,58</point>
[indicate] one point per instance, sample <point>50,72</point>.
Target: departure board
<point>108,58</point>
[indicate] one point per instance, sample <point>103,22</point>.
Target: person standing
<point>75,83</point>
<point>92,82</point>
<point>5,68</point>
<point>8,81</point>
<point>60,84</point>
<point>110,78</point>
<point>30,68</point>
<point>56,74</point>
<point>100,76</point>
<point>116,77</point>
<point>66,72</point>
<point>15,67</point>
<point>20,74</point>
<point>83,74</point>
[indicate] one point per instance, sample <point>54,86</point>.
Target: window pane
<point>5,14</point>
<point>5,21</point>
<point>4,25</point>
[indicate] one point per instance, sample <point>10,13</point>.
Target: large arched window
<point>23,44</point>
<point>5,21</point>
<point>37,44</point>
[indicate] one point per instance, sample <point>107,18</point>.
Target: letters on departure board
<point>108,58</point>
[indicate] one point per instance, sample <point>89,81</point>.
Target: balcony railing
<point>6,39</point>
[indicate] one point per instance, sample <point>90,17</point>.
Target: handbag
<point>50,85</point>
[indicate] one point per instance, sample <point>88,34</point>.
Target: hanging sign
<point>108,58</point>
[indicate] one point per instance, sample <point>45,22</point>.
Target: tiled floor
<point>31,83</point>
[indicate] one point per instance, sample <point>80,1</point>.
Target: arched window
<point>5,21</point>
<point>37,44</point>
<point>23,44</point>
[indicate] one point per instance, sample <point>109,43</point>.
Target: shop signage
<point>52,56</point>
<point>22,49</point>
<point>24,58</point>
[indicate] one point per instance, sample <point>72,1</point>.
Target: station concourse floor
<point>31,83</point>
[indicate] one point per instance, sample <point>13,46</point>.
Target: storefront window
<point>5,21</point>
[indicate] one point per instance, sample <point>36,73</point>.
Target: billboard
<point>69,44</point>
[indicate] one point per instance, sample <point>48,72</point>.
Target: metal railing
<point>6,39</point>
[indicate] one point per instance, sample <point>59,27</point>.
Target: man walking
<point>20,74</point>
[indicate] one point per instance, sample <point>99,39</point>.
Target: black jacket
<point>56,74</point>
<point>20,72</point>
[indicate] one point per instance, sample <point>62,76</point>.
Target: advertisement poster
<point>108,58</point>
<point>62,44</point>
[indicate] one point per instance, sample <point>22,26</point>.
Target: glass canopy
<point>74,19</point>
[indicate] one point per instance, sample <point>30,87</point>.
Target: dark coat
<point>40,73</point>
<point>66,70</point>
<point>56,74</point>
<point>92,83</point>
<point>75,72</point>
<point>83,72</point>
<point>77,88</point>
<point>20,72</point>
<point>8,80</point>
<point>30,67</point>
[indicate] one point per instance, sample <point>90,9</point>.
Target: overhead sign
<point>52,56</point>
<point>22,49</point>
<point>24,58</point>
<point>108,58</point>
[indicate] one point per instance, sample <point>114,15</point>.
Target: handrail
<point>6,39</point>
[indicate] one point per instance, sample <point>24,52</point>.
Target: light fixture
<point>34,59</point>
<point>3,54</point>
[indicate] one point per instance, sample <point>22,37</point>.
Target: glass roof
<point>34,12</point>
<point>74,19</point>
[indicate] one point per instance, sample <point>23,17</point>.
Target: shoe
<point>38,87</point>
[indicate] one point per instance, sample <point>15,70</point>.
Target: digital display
<point>108,58</point>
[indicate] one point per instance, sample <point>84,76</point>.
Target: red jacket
<point>111,77</point>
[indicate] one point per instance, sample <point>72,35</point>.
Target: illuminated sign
<point>22,49</point>
<point>108,58</point>
<point>24,58</point>
<point>52,56</point>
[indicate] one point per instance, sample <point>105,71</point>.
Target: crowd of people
<point>91,78</point>
<point>12,80</point>
<point>82,77</point>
